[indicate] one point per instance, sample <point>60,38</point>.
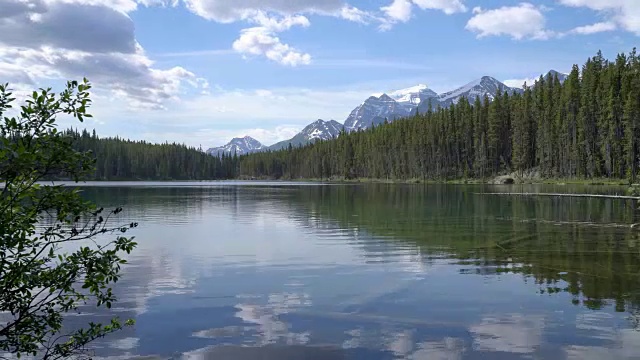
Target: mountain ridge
<point>317,130</point>
<point>381,107</point>
<point>238,146</point>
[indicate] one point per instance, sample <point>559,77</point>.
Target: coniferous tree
<point>587,126</point>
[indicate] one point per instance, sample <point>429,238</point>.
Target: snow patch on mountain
<point>479,88</point>
<point>239,146</point>
<point>323,130</point>
<point>374,111</point>
<point>531,82</point>
<point>317,130</point>
<point>379,108</point>
<point>411,95</point>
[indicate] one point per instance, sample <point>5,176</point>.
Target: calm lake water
<point>308,271</point>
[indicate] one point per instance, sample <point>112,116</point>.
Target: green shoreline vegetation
<point>550,181</point>
<point>585,128</point>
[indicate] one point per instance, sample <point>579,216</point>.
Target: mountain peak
<point>485,86</point>
<point>317,130</point>
<point>385,97</point>
<point>244,138</point>
<point>239,146</point>
<point>561,76</point>
<point>413,89</point>
<point>489,80</point>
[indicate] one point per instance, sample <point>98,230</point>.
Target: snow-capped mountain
<point>531,83</point>
<point>380,107</point>
<point>374,111</point>
<point>413,95</point>
<point>551,74</point>
<point>317,130</point>
<point>239,146</point>
<point>561,76</point>
<point>486,85</point>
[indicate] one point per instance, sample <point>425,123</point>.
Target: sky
<point>200,72</point>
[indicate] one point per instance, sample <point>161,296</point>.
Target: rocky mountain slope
<point>239,146</point>
<point>317,130</point>
<point>378,108</point>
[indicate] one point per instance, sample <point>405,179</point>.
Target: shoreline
<point>550,181</point>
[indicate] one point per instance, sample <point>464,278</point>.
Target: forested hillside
<point>118,159</point>
<point>586,127</point>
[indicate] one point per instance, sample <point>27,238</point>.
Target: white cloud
<point>519,83</point>
<point>594,28</point>
<point>269,115</point>
<point>273,24</point>
<point>356,15</point>
<point>96,28</point>
<point>625,13</point>
<point>217,137</point>
<point>398,10</point>
<point>286,105</point>
<point>39,44</point>
<point>449,7</point>
<point>261,40</point>
<point>14,74</point>
<point>226,11</point>
<point>519,22</point>
<point>130,77</point>
<point>401,10</point>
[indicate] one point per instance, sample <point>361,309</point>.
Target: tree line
<point>587,126</point>
<point>119,159</point>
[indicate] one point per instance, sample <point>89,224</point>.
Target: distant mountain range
<point>239,146</point>
<point>379,108</point>
<point>317,130</point>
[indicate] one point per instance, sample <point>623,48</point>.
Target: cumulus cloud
<point>447,6</point>
<point>14,74</point>
<point>624,13</point>
<point>594,28</point>
<point>398,10</point>
<point>524,21</point>
<point>90,28</point>
<point>128,76</point>
<point>262,40</point>
<point>225,11</point>
<point>401,10</point>
<point>62,39</point>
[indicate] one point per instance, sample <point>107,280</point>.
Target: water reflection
<point>374,272</point>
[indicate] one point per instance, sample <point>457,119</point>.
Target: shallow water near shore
<point>246,270</point>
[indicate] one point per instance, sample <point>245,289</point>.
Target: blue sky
<point>203,71</point>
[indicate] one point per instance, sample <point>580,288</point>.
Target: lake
<point>258,270</point>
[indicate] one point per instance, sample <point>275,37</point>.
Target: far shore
<point>492,181</point>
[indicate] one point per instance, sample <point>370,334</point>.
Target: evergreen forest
<point>585,127</point>
<point>118,159</point>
